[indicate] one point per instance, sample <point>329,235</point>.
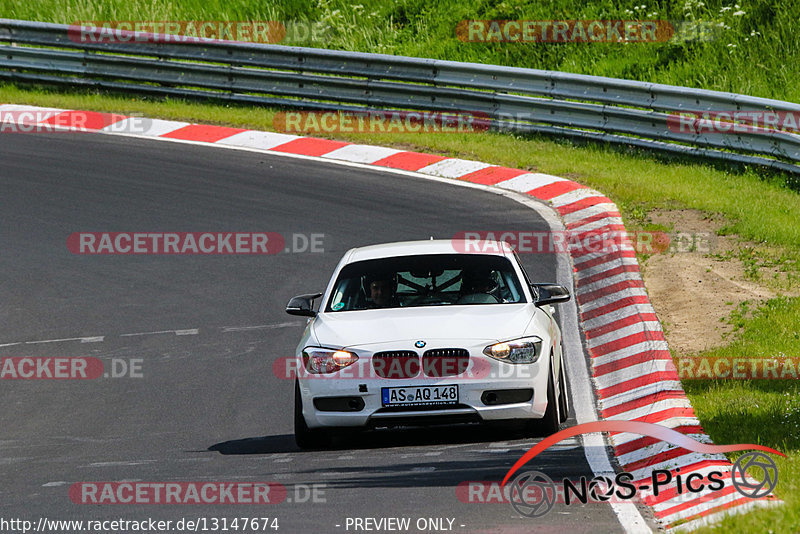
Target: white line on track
<point>258,327</point>
<point>178,332</point>
<point>186,332</point>
<point>93,339</point>
<point>120,464</point>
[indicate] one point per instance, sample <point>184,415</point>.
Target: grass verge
<point>765,412</point>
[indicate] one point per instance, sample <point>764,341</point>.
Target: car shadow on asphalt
<point>464,466</point>
<point>376,439</point>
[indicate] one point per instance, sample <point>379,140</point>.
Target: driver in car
<point>382,290</point>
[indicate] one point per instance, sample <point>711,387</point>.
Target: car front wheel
<point>563,398</point>
<point>551,422</point>
<point>306,438</point>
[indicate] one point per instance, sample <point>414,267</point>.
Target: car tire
<point>550,423</point>
<point>304,437</point>
<point>563,398</point>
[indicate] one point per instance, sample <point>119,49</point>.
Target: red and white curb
<point>633,373</point>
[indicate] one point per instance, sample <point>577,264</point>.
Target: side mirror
<point>550,294</point>
<point>302,304</point>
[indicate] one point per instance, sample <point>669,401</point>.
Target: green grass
<point>763,412</point>
<point>766,412</point>
<point>745,47</point>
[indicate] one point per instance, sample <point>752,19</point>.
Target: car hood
<point>488,322</point>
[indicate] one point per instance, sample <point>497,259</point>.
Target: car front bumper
<point>352,397</point>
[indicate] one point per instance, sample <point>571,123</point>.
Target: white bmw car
<point>422,332</point>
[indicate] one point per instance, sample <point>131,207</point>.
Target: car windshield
<point>426,280</point>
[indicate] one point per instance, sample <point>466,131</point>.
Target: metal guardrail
<point>517,99</point>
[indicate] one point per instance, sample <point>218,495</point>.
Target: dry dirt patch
<point>693,292</point>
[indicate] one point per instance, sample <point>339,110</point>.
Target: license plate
<point>420,396</point>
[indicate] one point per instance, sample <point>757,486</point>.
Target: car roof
<point>432,246</point>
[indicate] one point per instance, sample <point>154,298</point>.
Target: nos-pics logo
<point>533,494</point>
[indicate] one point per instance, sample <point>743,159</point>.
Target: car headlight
<point>320,361</point>
<point>523,350</point>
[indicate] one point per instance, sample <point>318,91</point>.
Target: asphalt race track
<point>207,330</point>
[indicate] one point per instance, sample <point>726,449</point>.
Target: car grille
<point>396,364</point>
<point>445,362</point>
<point>436,363</point>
